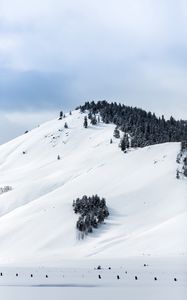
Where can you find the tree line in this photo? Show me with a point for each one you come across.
(140, 128)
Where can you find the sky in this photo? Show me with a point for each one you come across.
(56, 54)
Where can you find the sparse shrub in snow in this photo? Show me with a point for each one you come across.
(92, 210)
(5, 189)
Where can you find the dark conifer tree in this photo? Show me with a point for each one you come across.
(65, 125)
(85, 122)
(124, 142)
(182, 160)
(61, 115)
(93, 120)
(90, 115)
(116, 133)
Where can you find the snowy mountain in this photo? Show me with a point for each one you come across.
(147, 204)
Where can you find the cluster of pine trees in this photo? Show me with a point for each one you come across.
(94, 120)
(93, 211)
(140, 128)
(63, 115)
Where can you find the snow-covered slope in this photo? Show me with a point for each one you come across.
(147, 203)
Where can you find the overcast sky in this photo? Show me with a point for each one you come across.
(58, 53)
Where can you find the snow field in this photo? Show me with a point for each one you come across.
(147, 203)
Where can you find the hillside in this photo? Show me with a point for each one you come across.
(147, 203)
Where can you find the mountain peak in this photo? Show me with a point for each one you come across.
(145, 200)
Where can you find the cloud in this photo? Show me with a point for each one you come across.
(34, 90)
(57, 54)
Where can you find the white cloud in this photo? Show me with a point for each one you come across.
(64, 34)
(124, 50)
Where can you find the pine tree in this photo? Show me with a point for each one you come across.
(116, 133)
(85, 122)
(65, 125)
(58, 157)
(93, 120)
(124, 145)
(90, 115)
(61, 115)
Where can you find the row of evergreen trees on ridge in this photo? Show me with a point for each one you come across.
(143, 127)
(93, 211)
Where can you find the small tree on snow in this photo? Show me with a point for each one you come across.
(116, 133)
(65, 125)
(85, 122)
(61, 115)
(177, 175)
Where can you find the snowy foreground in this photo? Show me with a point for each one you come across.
(133, 279)
(79, 293)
